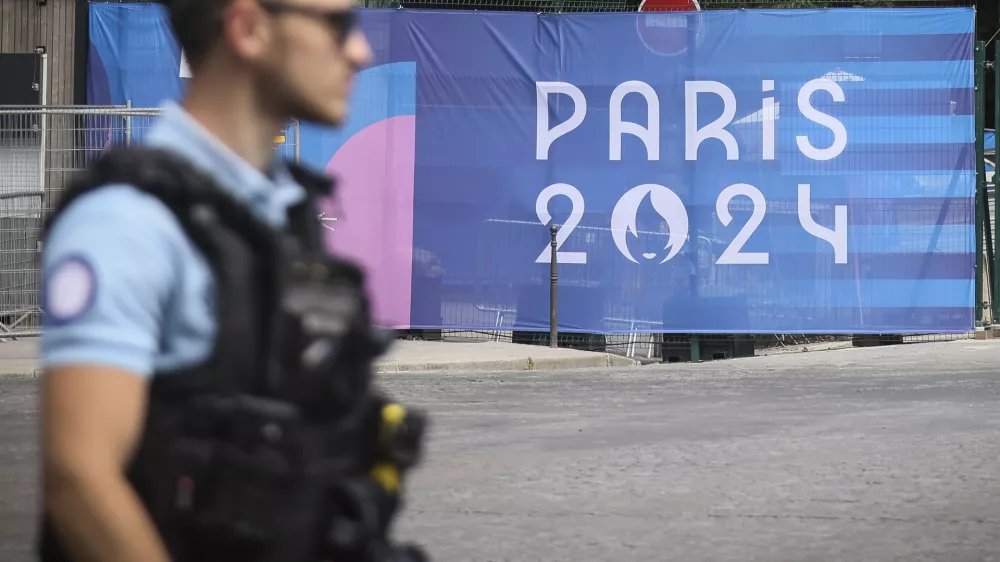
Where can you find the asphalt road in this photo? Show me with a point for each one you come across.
(856, 455)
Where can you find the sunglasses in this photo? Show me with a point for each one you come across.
(341, 21)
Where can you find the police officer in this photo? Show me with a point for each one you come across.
(130, 297)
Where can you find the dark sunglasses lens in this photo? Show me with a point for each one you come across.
(343, 23)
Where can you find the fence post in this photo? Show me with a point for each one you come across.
(298, 139)
(553, 291)
(995, 294)
(981, 216)
(128, 122)
(43, 118)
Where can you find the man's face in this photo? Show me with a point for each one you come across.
(314, 50)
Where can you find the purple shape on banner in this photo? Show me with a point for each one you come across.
(374, 211)
(98, 88)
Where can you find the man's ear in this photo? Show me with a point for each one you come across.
(246, 29)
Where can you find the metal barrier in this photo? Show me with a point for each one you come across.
(41, 149)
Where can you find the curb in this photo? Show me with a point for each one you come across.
(19, 374)
(515, 364)
(805, 348)
(525, 363)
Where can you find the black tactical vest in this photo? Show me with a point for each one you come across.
(276, 448)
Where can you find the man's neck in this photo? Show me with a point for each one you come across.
(231, 113)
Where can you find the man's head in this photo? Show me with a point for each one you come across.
(300, 56)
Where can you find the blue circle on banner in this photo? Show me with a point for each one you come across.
(70, 290)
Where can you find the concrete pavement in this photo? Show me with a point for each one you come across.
(877, 454)
(874, 454)
(21, 357)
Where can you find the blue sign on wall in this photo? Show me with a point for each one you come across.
(799, 171)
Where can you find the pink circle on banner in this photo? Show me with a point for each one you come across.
(373, 208)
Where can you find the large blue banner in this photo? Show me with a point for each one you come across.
(799, 171)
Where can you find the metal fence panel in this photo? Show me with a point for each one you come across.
(41, 149)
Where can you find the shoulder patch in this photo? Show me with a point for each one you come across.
(70, 290)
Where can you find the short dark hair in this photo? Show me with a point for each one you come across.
(197, 25)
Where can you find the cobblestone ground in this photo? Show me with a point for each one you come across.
(887, 454)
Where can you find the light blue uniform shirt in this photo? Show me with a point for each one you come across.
(122, 284)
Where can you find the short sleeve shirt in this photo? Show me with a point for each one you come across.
(122, 285)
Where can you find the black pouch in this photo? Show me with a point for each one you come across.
(223, 482)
